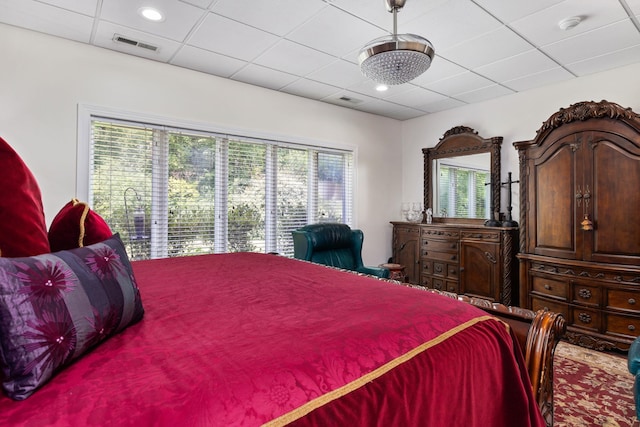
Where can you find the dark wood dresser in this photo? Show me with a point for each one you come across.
(580, 241)
(476, 261)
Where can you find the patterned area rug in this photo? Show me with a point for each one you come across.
(592, 389)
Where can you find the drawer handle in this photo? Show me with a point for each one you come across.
(547, 287)
(584, 293)
(631, 328)
(453, 257)
(584, 318)
(631, 301)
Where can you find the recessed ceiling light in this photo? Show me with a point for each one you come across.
(382, 88)
(151, 13)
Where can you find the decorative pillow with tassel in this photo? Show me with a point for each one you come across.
(76, 226)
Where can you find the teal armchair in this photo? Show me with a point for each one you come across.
(333, 244)
(633, 362)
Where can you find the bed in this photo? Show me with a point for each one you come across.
(252, 339)
(242, 339)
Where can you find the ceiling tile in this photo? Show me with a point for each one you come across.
(46, 19)
(265, 77)
(104, 38)
(452, 23)
(531, 81)
(334, 32)
(596, 64)
(207, 62)
(508, 11)
(339, 73)
(541, 28)
(460, 83)
(247, 42)
(204, 4)
(531, 62)
(275, 16)
(395, 111)
(368, 88)
(376, 12)
(440, 69)
(179, 17)
(490, 47)
(86, 7)
(484, 94)
(310, 89)
(445, 104)
(635, 6)
(417, 98)
(601, 41)
(293, 58)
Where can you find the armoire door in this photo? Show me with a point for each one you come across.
(612, 173)
(557, 197)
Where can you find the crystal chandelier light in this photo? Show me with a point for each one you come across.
(398, 58)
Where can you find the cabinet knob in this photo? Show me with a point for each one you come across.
(453, 257)
(631, 328)
(631, 301)
(584, 293)
(584, 318)
(547, 287)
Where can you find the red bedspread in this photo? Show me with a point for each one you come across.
(247, 339)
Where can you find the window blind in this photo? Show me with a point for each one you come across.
(176, 192)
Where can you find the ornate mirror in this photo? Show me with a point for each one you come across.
(462, 176)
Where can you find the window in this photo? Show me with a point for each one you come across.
(171, 191)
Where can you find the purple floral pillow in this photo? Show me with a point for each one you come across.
(55, 307)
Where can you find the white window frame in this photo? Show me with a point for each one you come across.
(87, 113)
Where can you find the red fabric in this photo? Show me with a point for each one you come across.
(23, 231)
(241, 339)
(76, 226)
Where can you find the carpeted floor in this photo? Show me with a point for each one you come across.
(592, 389)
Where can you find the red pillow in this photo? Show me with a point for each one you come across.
(75, 226)
(23, 231)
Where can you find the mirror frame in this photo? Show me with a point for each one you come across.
(463, 141)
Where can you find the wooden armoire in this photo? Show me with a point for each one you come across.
(579, 234)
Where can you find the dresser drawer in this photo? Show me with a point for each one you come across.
(439, 245)
(452, 286)
(586, 294)
(551, 287)
(426, 281)
(621, 299)
(585, 318)
(438, 284)
(427, 266)
(622, 325)
(442, 256)
(544, 304)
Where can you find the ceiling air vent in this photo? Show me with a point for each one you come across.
(121, 39)
(350, 100)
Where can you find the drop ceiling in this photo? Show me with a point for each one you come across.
(484, 48)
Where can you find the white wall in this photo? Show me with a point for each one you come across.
(44, 79)
(515, 117)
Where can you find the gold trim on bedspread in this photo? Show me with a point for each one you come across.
(348, 388)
